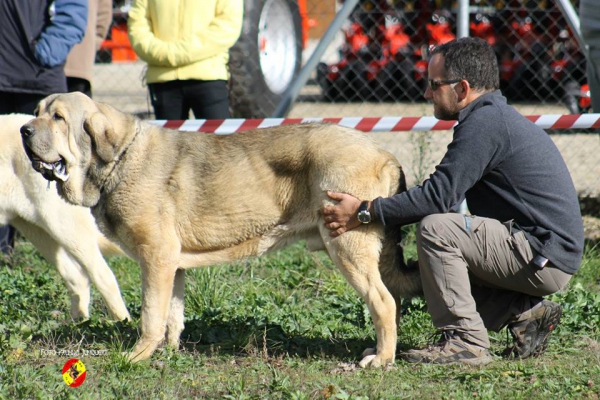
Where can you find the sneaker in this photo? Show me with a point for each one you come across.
(450, 349)
(531, 336)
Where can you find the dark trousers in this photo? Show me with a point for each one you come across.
(23, 103)
(173, 100)
(15, 103)
(7, 239)
(79, 85)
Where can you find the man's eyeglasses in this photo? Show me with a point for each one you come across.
(434, 85)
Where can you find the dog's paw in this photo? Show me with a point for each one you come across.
(370, 351)
(372, 360)
(368, 361)
(121, 316)
(134, 357)
(143, 350)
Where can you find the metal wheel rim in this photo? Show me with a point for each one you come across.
(277, 45)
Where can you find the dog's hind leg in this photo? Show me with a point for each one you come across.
(176, 311)
(356, 253)
(74, 276)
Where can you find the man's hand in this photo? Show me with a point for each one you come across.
(341, 217)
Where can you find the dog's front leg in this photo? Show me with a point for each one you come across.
(77, 282)
(157, 288)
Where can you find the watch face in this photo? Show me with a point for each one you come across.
(364, 217)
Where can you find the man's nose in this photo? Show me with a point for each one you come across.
(428, 93)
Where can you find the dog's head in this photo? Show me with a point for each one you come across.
(71, 140)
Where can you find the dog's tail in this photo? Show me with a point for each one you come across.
(108, 248)
(402, 279)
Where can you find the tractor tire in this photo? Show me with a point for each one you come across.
(267, 57)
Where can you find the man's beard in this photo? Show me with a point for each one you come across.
(445, 114)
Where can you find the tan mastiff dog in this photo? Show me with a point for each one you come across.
(66, 235)
(177, 200)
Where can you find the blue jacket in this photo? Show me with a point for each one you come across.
(36, 39)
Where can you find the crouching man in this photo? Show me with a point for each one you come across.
(524, 239)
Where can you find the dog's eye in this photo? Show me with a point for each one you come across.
(58, 117)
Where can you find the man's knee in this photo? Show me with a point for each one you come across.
(433, 226)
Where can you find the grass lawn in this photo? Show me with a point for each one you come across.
(283, 326)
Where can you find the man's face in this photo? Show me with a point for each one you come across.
(444, 97)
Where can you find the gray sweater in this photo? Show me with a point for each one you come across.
(508, 169)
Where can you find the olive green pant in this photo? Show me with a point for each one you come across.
(477, 274)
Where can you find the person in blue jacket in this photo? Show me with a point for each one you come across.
(36, 37)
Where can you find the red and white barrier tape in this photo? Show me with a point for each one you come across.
(383, 124)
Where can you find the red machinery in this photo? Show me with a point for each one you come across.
(386, 50)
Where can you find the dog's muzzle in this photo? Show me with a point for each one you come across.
(52, 171)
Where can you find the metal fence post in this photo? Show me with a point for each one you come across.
(462, 30)
(293, 91)
(573, 20)
(462, 25)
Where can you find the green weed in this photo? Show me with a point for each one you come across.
(285, 326)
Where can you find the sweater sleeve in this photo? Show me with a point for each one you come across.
(475, 149)
(221, 34)
(66, 29)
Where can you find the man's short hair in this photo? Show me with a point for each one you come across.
(472, 59)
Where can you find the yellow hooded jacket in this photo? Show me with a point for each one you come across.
(185, 39)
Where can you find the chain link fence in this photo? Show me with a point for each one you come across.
(376, 66)
(385, 49)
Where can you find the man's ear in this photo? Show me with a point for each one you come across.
(103, 135)
(463, 89)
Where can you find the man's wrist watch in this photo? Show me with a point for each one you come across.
(364, 215)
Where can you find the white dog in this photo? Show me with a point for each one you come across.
(66, 235)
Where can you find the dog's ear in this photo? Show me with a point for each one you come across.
(103, 135)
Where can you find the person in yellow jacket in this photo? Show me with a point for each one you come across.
(186, 45)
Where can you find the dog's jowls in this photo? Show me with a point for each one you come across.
(177, 200)
(66, 235)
